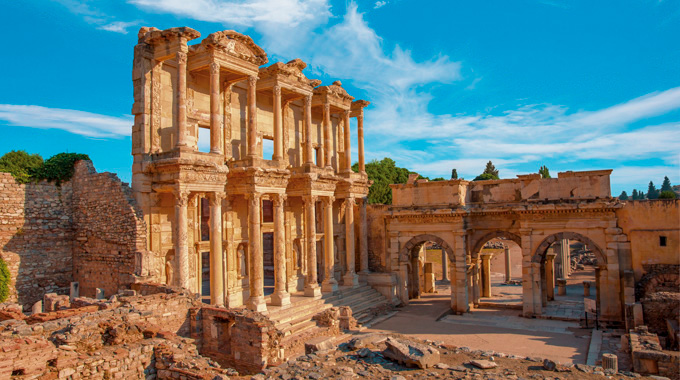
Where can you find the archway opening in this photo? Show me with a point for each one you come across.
(497, 272)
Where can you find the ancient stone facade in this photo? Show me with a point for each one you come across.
(86, 230)
(227, 220)
(461, 216)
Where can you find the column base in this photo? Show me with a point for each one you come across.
(281, 299)
(257, 303)
(446, 281)
(351, 279)
(312, 290)
(330, 285)
(234, 299)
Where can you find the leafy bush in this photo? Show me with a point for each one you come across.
(667, 195)
(4, 280)
(59, 167)
(383, 173)
(485, 176)
(490, 172)
(20, 164)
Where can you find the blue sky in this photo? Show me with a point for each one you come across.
(574, 85)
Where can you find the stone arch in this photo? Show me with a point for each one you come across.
(406, 251)
(659, 277)
(495, 234)
(539, 254)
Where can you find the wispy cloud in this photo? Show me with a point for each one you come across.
(78, 122)
(92, 15)
(118, 26)
(379, 4)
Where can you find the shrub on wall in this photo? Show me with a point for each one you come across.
(4, 281)
(59, 167)
(20, 165)
(26, 167)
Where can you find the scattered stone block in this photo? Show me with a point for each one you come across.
(484, 364)
(99, 294)
(321, 343)
(549, 365)
(37, 308)
(74, 291)
(411, 354)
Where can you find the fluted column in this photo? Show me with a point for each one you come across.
(550, 276)
(363, 236)
(281, 297)
(308, 131)
(360, 145)
(215, 126)
(252, 116)
(329, 283)
(508, 265)
(327, 142)
(486, 275)
(256, 276)
(278, 125)
(181, 99)
(445, 266)
(348, 143)
(216, 259)
(350, 278)
(311, 281)
(181, 243)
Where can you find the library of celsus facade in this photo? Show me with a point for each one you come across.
(226, 217)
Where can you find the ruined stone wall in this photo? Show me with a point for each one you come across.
(110, 234)
(36, 238)
(376, 238)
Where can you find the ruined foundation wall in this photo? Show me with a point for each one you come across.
(36, 238)
(110, 233)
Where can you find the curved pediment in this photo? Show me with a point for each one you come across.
(237, 45)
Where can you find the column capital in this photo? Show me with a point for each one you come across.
(216, 198)
(350, 201)
(214, 68)
(277, 90)
(279, 199)
(327, 108)
(182, 197)
(252, 80)
(310, 199)
(328, 201)
(308, 100)
(360, 117)
(181, 58)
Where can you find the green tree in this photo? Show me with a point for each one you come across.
(623, 196)
(383, 173)
(652, 192)
(635, 195)
(667, 195)
(4, 280)
(490, 172)
(666, 186)
(544, 172)
(454, 174)
(20, 164)
(437, 179)
(59, 167)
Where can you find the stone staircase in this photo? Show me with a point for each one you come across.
(297, 319)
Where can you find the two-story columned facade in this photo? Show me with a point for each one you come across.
(243, 171)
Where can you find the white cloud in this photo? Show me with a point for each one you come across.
(118, 26)
(78, 122)
(379, 4)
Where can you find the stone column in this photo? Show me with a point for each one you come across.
(181, 99)
(550, 276)
(216, 262)
(281, 297)
(348, 144)
(256, 301)
(351, 278)
(181, 243)
(508, 265)
(309, 159)
(311, 281)
(565, 256)
(363, 236)
(278, 125)
(476, 281)
(327, 141)
(486, 274)
(470, 284)
(445, 267)
(215, 126)
(329, 283)
(252, 117)
(360, 145)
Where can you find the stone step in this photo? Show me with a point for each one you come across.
(361, 300)
(347, 299)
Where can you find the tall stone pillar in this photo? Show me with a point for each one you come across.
(181, 99)
(311, 281)
(566, 259)
(550, 276)
(486, 274)
(508, 265)
(215, 126)
(363, 236)
(281, 297)
(360, 145)
(329, 283)
(476, 281)
(216, 259)
(252, 117)
(327, 141)
(181, 243)
(256, 301)
(348, 143)
(278, 125)
(445, 267)
(469, 275)
(350, 278)
(309, 151)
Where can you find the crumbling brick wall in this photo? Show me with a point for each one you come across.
(376, 238)
(36, 238)
(110, 234)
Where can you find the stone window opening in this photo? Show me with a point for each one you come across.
(267, 211)
(224, 329)
(663, 241)
(317, 155)
(205, 219)
(203, 138)
(268, 147)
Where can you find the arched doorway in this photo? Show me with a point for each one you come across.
(497, 270)
(571, 268)
(417, 273)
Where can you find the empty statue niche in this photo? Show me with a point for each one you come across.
(268, 245)
(224, 329)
